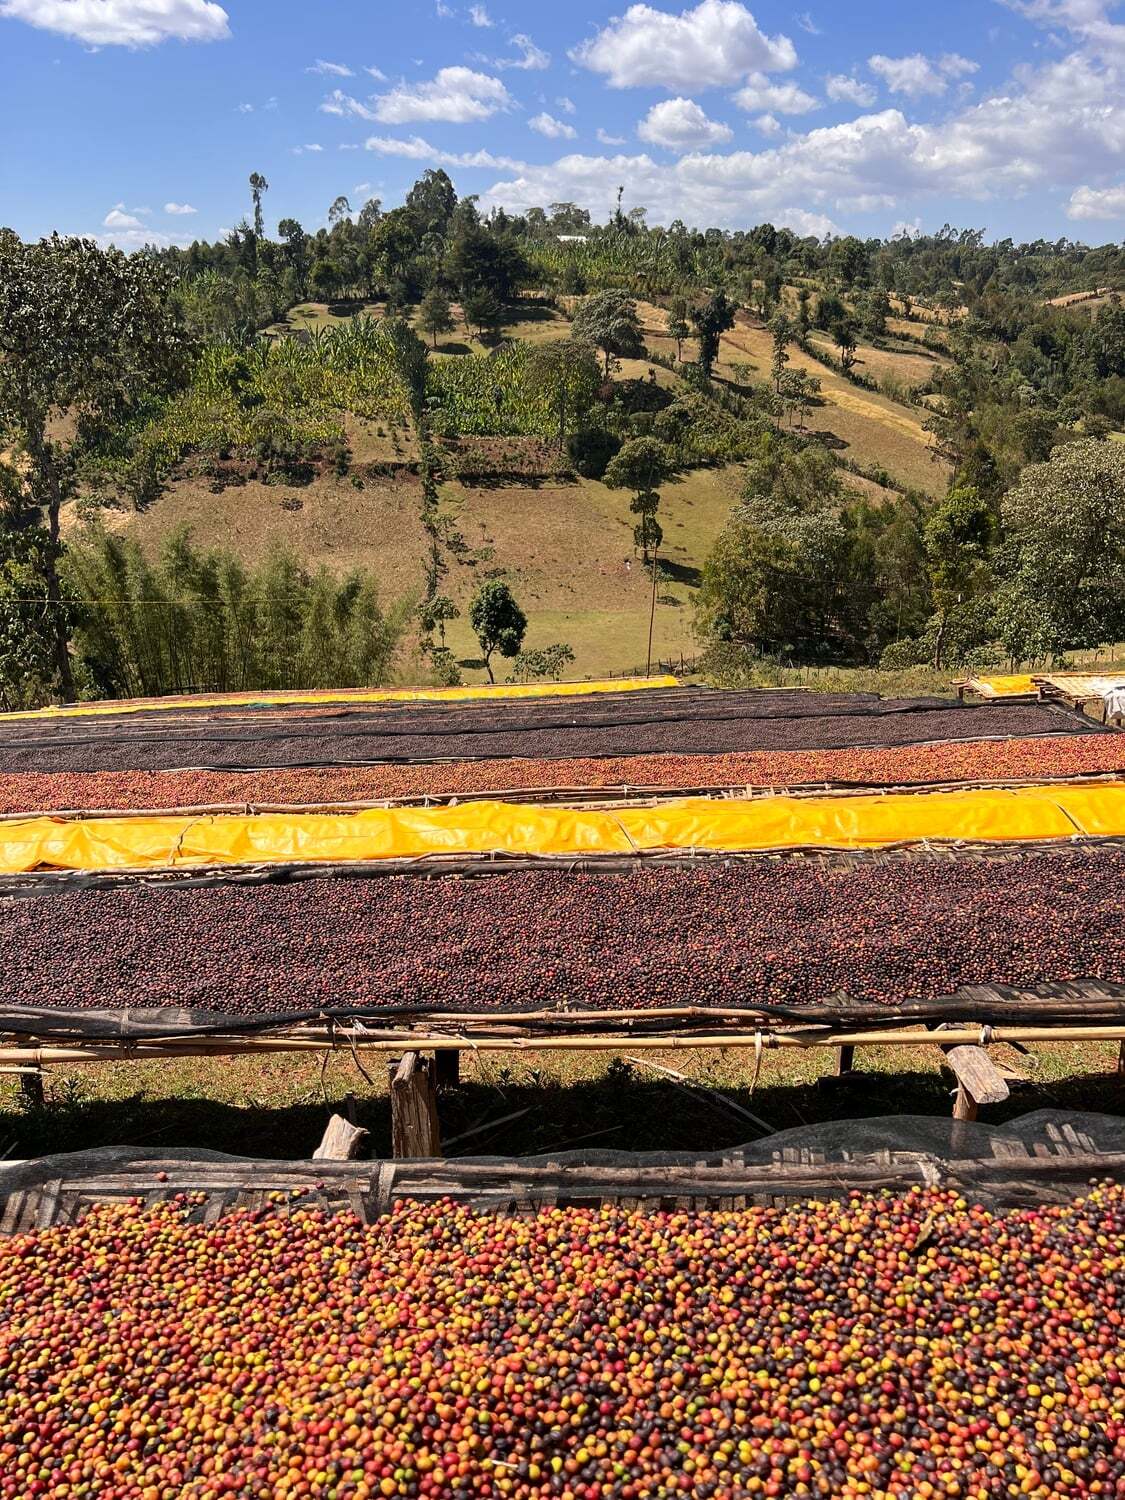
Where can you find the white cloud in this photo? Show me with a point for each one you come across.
(846, 90)
(443, 11)
(117, 218)
(916, 75)
(555, 130)
(300, 150)
(1097, 203)
(700, 188)
(179, 208)
(907, 231)
(1086, 19)
(416, 149)
(566, 105)
(457, 95)
(377, 73)
(330, 69)
(531, 58)
(479, 16)
(609, 140)
(1048, 129)
(784, 98)
(806, 23)
(767, 124)
(681, 125)
(245, 109)
(123, 23)
(712, 46)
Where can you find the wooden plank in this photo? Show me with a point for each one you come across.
(976, 1075)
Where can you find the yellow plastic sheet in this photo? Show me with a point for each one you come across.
(1002, 687)
(707, 825)
(505, 691)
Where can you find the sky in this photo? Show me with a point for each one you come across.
(139, 121)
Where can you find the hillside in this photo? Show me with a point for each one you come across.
(564, 544)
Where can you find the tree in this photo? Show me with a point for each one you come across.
(567, 373)
(643, 465)
(547, 662)
(27, 618)
(711, 321)
(608, 321)
(435, 613)
(434, 314)
(1064, 554)
(844, 339)
(677, 326)
(797, 390)
(258, 187)
(340, 209)
(430, 203)
(86, 335)
(781, 332)
(482, 310)
(498, 622)
(958, 539)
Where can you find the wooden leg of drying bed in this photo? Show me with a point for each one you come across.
(1121, 1059)
(415, 1131)
(845, 1061)
(964, 1105)
(447, 1068)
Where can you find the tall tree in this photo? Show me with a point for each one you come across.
(608, 321)
(958, 537)
(85, 336)
(339, 209)
(567, 372)
(643, 465)
(498, 622)
(711, 321)
(434, 314)
(677, 326)
(258, 187)
(1064, 551)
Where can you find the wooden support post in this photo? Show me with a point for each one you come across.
(342, 1141)
(447, 1068)
(31, 1089)
(964, 1105)
(845, 1061)
(415, 1131)
(1121, 1059)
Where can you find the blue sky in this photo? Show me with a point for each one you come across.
(140, 120)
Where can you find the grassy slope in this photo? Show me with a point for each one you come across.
(855, 423)
(567, 549)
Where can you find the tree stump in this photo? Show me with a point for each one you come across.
(415, 1131)
(342, 1141)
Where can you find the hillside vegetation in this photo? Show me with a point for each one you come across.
(532, 452)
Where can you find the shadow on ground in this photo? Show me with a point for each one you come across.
(518, 1112)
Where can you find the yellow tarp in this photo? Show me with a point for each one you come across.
(1002, 687)
(349, 695)
(707, 825)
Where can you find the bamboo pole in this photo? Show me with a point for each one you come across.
(64, 1055)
